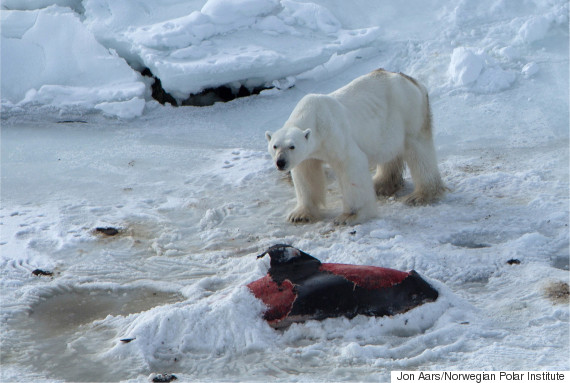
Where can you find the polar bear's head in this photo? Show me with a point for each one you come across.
(289, 146)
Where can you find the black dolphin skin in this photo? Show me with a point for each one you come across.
(299, 287)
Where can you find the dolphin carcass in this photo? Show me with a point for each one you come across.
(299, 287)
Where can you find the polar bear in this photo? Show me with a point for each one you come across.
(381, 119)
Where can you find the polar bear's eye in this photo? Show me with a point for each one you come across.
(292, 147)
(274, 146)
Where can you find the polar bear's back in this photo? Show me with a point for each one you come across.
(384, 107)
(382, 92)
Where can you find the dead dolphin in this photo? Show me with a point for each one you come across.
(299, 287)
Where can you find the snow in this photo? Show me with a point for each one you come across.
(54, 60)
(249, 42)
(465, 66)
(123, 109)
(226, 12)
(196, 198)
(534, 29)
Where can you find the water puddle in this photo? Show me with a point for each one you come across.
(560, 261)
(63, 335)
(469, 240)
(67, 310)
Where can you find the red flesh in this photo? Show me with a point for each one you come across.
(278, 299)
(368, 277)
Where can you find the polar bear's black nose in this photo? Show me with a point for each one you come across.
(281, 163)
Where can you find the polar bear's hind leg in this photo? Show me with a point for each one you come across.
(388, 178)
(419, 154)
(421, 159)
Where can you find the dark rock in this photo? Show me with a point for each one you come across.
(162, 378)
(221, 93)
(110, 231)
(206, 97)
(158, 92)
(42, 273)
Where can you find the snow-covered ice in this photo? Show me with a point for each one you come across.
(195, 197)
(50, 58)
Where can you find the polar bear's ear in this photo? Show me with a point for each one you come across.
(268, 135)
(307, 133)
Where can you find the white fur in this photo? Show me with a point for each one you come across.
(381, 119)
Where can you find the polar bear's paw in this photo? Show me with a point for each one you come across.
(417, 199)
(387, 189)
(301, 215)
(421, 198)
(424, 197)
(346, 219)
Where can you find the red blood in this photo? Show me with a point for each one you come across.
(368, 277)
(278, 298)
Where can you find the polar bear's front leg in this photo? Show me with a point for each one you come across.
(310, 182)
(358, 195)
